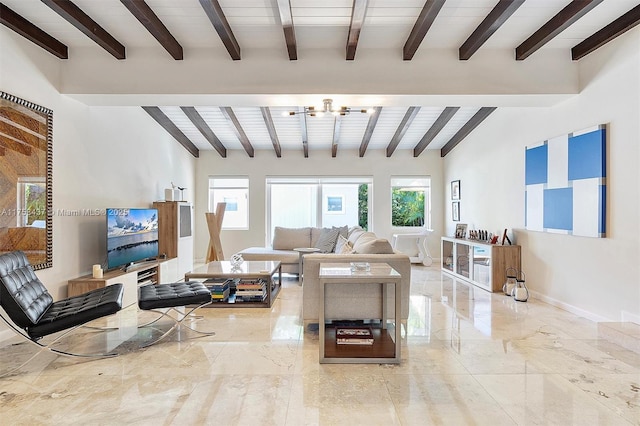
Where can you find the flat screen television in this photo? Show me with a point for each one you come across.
(132, 236)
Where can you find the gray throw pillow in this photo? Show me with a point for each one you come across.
(343, 231)
(327, 240)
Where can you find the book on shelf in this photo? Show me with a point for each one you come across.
(354, 336)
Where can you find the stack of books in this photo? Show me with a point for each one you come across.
(219, 288)
(354, 336)
(251, 290)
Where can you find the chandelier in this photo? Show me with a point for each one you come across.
(327, 109)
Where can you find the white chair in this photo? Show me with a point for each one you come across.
(419, 241)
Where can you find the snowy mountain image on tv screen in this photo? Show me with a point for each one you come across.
(132, 235)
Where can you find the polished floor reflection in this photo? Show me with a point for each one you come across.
(468, 358)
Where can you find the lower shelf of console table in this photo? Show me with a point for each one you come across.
(383, 347)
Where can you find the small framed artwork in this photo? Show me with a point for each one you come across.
(455, 189)
(461, 230)
(335, 204)
(455, 210)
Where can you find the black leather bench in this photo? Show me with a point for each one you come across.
(175, 294)
(156, 297)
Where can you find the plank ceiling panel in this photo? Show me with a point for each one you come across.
(320, 132)
(455, 22)
(187, 22)
(252, 123)
(423, 121)
(218, 123)
(287, 127)
(460, 119)
(185, 125)
(601, 15)
(388, 122)
(352, 129)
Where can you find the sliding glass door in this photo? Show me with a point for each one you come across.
(317, 202)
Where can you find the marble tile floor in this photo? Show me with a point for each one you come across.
(468, 358)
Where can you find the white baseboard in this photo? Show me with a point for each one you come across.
(570, 308)
(629, 317)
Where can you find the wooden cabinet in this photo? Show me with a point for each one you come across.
(175, 233)
(147, 273)
(482, 264)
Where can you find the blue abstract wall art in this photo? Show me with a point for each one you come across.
(565, 184)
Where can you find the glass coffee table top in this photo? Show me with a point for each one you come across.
(225, 268)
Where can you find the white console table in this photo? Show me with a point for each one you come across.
(419, 241)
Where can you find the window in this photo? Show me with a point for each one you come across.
(317, 202)
(32, 201)
(235, 192)
(410, 206)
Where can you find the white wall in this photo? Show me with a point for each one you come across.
(347, 163)
(596, 277)
(102, 157)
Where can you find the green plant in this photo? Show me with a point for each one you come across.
(407, 207)
(363, 206)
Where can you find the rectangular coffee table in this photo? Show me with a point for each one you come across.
(248, 270)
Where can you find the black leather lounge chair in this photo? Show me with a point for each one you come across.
(32, 312)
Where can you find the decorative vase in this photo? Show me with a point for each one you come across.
(520, 291)
(236, 260)
(510, 283)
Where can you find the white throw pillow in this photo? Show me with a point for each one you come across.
(343, 246)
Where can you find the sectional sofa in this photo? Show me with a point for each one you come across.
(353, 245)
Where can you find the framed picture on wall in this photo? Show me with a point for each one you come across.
(335, 204)
(455, 190)
(455, 211)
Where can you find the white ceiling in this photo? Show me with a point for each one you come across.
(318, 25)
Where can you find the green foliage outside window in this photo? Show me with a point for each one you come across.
(407, 207)
(363, 206)
(36, 202)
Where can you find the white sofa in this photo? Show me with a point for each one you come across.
(348, 302)
(284, 241)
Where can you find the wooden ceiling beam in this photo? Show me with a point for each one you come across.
(216, 16)
(445, 116)
(469, 126)
(76, 17)
(237, 129)
(271, 128)
(205, 130)
(143, 13)
(494, 20)
(286, 19)
(606, 34)
(168, 125)
(337, 122)
(429, 13)
(358, 13)
(402, 129)
(26, 29)
(560, 22)
(371, 126)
